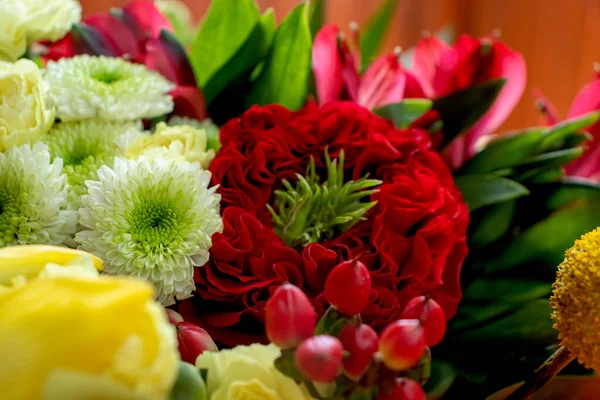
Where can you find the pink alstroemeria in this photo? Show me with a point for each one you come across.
(140, 33)
(336, 69)
(444, 69)
(587, 100)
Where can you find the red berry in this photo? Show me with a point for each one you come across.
(289, 317)
(361, 342)
(403, 389)
(348, 287)
(431, 315)
(193, 341)
(402, 344)
(319, 358)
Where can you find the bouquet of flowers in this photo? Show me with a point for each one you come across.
(245, 210)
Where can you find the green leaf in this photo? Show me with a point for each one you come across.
(443, 375)
(226, 27)
(404, 113)
(484, 190)
(573, 190)
(189, 384)
(546, 241)
(463, 109)
(317, 15)
(492, 225)
(286, 365)
(284, 78)
(506, 290)
(469, 315)
(246, 59)
(530, 323)
(562, 130)
(422, 371)
(372, 35)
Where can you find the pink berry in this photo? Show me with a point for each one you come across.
(319, 358)
(289, 317)
(403, 389)
(193, 341)
(431, 315)
(402, 344)
(361, 342)
(348, 287)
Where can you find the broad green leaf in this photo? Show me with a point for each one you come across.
(483, 190)
(284, 78)
(372, 35)
(530, 323)
(573, 190)
(492, 225)
(559, 388)
(226, 27)
(189, 384)
(535, 165)
(443, 375)
(506, 290)
(246, 59)
(286, 365)
(561, 131)
(463, 109)
(547, 241)
(469, 315)
(404, 113)
(317, 15)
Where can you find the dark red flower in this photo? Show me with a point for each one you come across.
(412, 242)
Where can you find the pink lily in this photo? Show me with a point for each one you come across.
(587, 100)
(336, 68)
(444, 69)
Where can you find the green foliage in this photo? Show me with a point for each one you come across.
(189, 384)
(404, 113)
(312, 211)
(317, 15)
(373, 34)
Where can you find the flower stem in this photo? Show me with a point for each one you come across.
(544, 374)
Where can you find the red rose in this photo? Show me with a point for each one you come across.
(412, 241)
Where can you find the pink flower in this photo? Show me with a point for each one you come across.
(336, 68)
(587, 100)
(444, 69)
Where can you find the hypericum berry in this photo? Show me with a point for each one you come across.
(403, 389)
(431, 315)
(348, 287)
(319, 358)
(361, 342)
(193, 341)
(174, 316)
(289, 317)
(402, 344)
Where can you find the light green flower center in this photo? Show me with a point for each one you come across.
(154, 223)
(107, 77)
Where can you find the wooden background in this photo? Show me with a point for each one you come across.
(560, 39)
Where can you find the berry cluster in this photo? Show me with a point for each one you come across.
(340, 357)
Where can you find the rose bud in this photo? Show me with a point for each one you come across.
(403, 389)
(319, 358)
(361, 342)
(402, 344)
(289, 317)
(174, 316)
(193, 341)
(431, 315)
(348, 287)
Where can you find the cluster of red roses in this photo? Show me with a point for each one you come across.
(413, 241)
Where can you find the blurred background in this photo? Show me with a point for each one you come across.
(560, 39)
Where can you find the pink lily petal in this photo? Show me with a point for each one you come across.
(145, 19)
(166, 56)
(57, 50)
(472, 65)
(588, 99)
(189, 102)
(548, 110)
(414, 88)
(116, 34)
(327, 64)
(383, 83)
(350, 72)
(434, 63)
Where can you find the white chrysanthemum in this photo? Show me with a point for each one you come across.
(85, 146)
(107, 88)
(151, 219)
(33, 193)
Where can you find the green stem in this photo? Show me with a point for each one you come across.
(313, 390)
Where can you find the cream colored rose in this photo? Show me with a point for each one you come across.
(25, 115)
(177, 143)
(13, 39)
(247, 372)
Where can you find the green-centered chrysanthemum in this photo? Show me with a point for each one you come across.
(107, 88)
(151, 219)
(33, 193)
(576, 300)
(85, 146)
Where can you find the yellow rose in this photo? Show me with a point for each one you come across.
(13, 39)
(25, 114)
(247, 372)
(178, 143)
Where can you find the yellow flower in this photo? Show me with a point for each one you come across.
(13, 39)
(247, 372)
(77, 337)
(576, 300)
(25, 114)
(178, 143)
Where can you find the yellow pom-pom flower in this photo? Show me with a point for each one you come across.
(576, 300)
